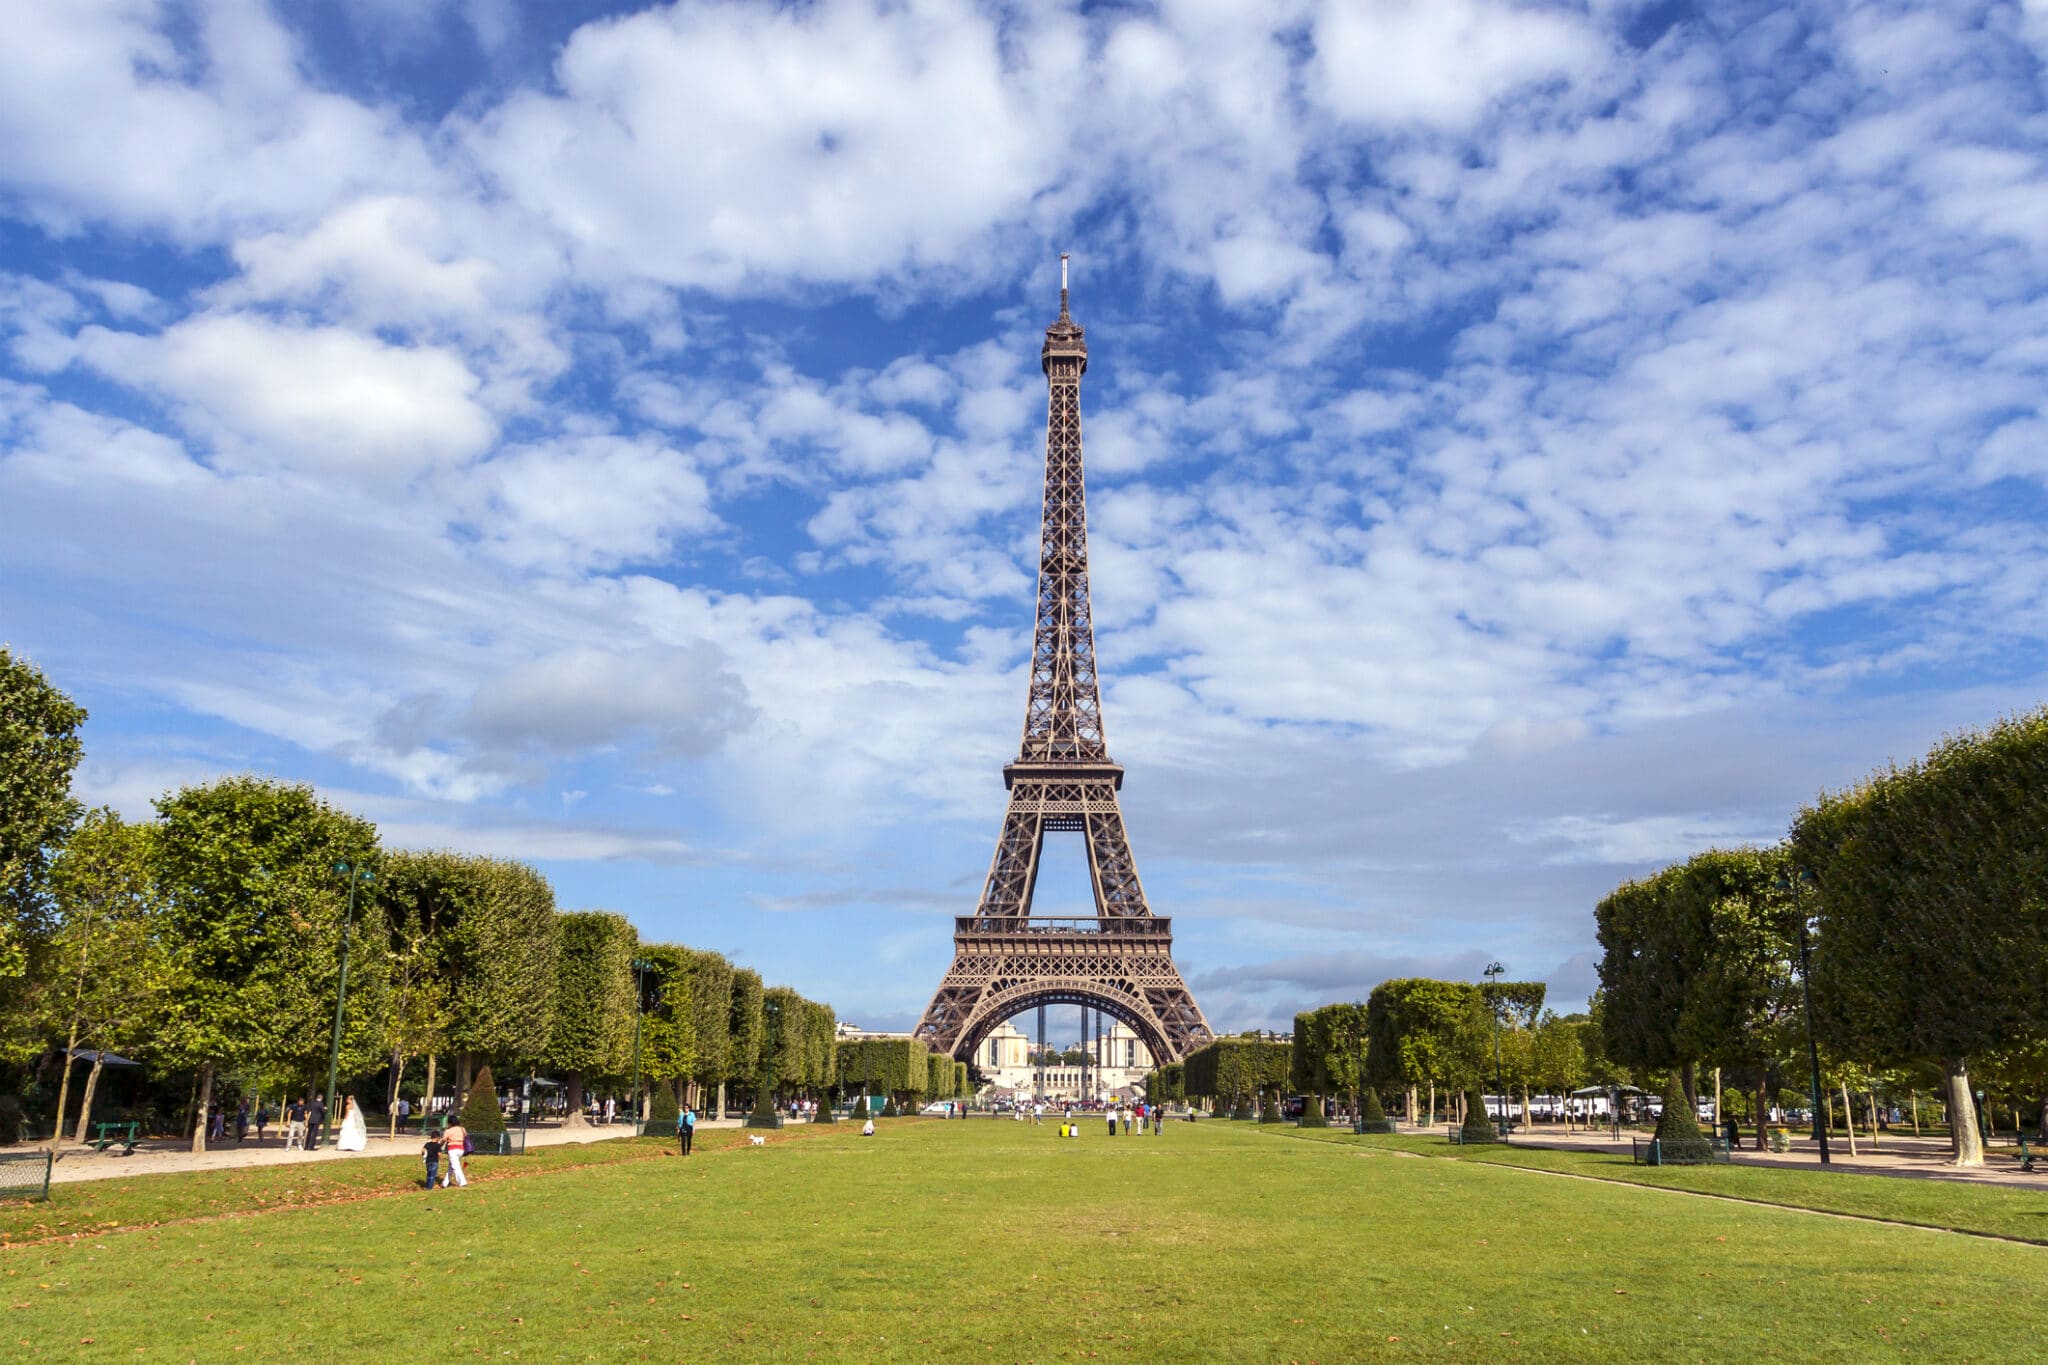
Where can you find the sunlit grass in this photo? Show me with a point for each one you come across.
(1001, 1241)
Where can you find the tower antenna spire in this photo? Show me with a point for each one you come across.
(1063, 286)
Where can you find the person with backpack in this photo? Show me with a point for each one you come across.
(686, 1129)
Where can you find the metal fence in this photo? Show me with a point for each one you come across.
(25, 1175)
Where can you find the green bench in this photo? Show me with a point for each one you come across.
(115, 1131)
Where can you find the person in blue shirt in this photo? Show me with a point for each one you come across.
(686, 1129)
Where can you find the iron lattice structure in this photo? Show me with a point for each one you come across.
(1121, 961)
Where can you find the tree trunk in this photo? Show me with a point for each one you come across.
(1916, 1111)
(465, 1074)
(427, 1100)
(2041, 1133)
(1849, 1117)
(200, 1107)
(1763, 1110)
(1408, 1110)
(391, 1093)
(721, 1101)
(574, 1118)
(1965, 1142)
(1689, 1082)
(1432, 1104)
(92, 1083)
(1827, 1112)
(64, 1086)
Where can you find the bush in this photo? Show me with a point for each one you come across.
(1477, 1126)
(1271, 1112)
(480, 1113)
(661, 1108)
(1678, 1131)
(1312, 1113)
(1372, 1117)
(889, 1108)
(826, 1112)
(765, 1114)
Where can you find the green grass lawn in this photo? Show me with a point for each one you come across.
(1000, 1241)
(1997, 1210)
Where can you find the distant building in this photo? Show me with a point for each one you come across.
(1117, 1061)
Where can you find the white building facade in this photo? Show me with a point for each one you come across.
(1117, 1061)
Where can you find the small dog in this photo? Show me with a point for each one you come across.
(757, 1142)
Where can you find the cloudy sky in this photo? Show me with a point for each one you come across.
(1527, 442)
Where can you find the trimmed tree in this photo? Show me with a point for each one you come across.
(662, 1111)
(256, 915)
(593, 1032)
(1932, 935)
(1478, 1127)
(1679, 1139)
(480, 1113)
(1372, 1116)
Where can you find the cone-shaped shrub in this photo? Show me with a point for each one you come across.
(889, 1108)
(1678, 1131)
(1271, 1112)
(826, 1113)
(1477, 1127)
(1312, 1115)
(480, 1112)
(661, 1109)
(1372, 1117)
(765, 1114)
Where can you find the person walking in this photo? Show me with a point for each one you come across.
(1110, 1114)
(316, 1119)
(262, 1119)
(609, 1109)
(241, 1121)
(216, 1122)
(295, 1126)
(1037, 1113)
(404, 1112)
(685, 1123)
(355, 1134)
(455, 1142)
(431, 1151)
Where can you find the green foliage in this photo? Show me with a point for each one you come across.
(480, 1113)
(1697, 961)
(476, 949)
(746, 1029)
(254, 911)
(108, 971)
(1678, 1129)
(661, 1108)
(1329, 1047)
(1425, 1032)
(889, 1108)
(1372, 1116)
(711, 1009)
(1932, 929)
(1557, 1058)
(1166, 1084)
(938, 1076)
(883, 1066)
(1237, 1069)
(39, 749)
(668, 1023)
(593, 1033)
(1478, 1127)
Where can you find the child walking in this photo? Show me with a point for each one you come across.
(432, 1152)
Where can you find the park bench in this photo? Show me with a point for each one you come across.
(2026, 1157)
(113, 1131)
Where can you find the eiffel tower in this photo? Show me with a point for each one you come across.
(1120, 961)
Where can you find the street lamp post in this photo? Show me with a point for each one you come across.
(1494, 969)
(1795, 885)
(356, 873)
(641, 966)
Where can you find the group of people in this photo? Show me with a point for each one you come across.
(304, 1122)
(1135, 1112)
(451, 1143)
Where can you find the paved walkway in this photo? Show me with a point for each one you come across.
(1897, 1154)
(160, 1156)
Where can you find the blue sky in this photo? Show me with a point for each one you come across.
(1527, 443)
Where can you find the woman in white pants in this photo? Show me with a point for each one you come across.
(456, 1139)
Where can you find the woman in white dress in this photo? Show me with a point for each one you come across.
(355, 1134)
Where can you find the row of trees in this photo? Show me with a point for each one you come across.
(1913, 908)
(210, 942)
(902, 1070)
(1244, 1072)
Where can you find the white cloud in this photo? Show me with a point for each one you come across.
(320, 398)
(586, 501)
(1442, 63)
